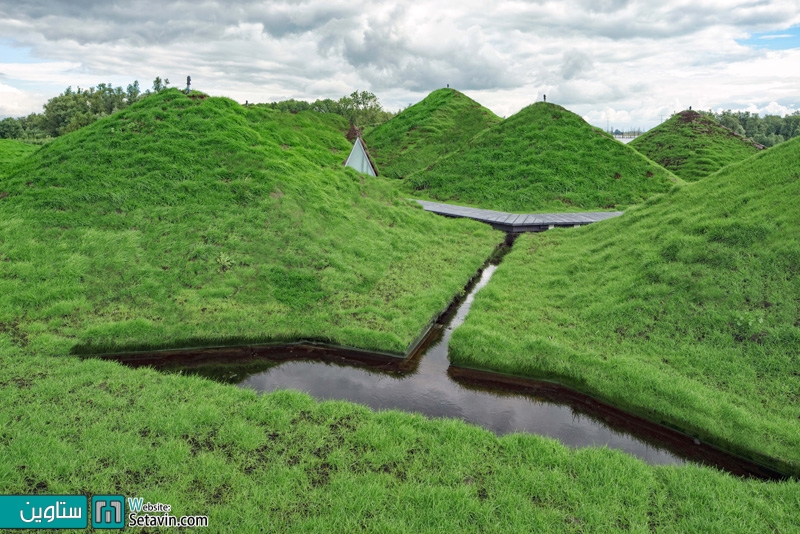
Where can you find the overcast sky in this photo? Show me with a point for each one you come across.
(625, 63)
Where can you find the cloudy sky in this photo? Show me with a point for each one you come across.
(617, 62)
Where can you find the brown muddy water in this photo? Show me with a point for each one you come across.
(425, 383)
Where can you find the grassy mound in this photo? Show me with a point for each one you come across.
(684, 310)
(693, 146)
(544, 158)
(426, 131)
(192, 221)
(285, 463)
(12, 152)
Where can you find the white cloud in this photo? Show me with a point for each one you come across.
(772, 108)
(14, 102)
(629, 61)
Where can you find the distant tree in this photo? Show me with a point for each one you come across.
(363, 108)
(290, 105)
(768, 130)
(59, 111)
(133, 92)
(10, 128)
(159, 84)
(729, 121)
(791, 125)
(74, 109)
(768, 140)
(32, 126)
(327, 105)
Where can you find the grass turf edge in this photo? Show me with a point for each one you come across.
(680, 269)
(283, 461)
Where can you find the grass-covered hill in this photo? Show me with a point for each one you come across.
(419, 135)
(282, 462)
(685, 310)
(182, 218)
(188, 221)
(12, 152)
(693, 145)
(543, 158)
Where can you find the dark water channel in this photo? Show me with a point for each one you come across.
(425, 383)
(426, 388)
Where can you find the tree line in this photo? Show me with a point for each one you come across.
(361, 108)
(768, 130)
(74, 109)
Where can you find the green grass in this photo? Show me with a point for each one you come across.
(285, 463)
(184, 221)
(544, 158)
(421, 134)
(196, 221)
(11, 152)
(693, 146)
(684, 310)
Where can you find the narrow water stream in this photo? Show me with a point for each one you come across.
(427, 389)
(425, 383)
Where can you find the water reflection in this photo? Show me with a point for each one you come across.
(427, 389)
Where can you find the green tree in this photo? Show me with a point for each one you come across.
(133, 92)
(327, 105)
(291, 105)
(159, 84)
(32, 126)
(791, 125)
(363, 108)
(10, 129)
(768, 130)
(72, 110)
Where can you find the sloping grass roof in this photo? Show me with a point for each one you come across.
(193, 221)
(419, 135)
(693, 146)
(11, 152)
(543, 158)
(685, 309)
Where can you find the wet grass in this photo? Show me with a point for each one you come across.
(11, 152)
(186, 221)
(285, 463)
(544, 158)
(684, 310)
(693, 146)
(421, 134)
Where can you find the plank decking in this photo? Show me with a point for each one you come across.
(517, 223)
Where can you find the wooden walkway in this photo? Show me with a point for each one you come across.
(517, 223)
